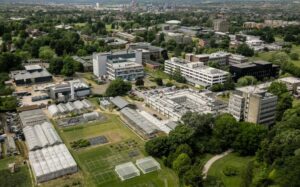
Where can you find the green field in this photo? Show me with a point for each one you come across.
(268, 55)
(231, 159)
(97, 162)
(20, 178)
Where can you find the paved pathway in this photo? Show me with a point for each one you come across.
(210, 162)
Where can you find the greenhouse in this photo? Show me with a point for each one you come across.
(52, 162)
(78, 105)
(148, 164)
(127, 171)
(139, 122)
(70, 106)
(39, 136)
(87, 104)
(63, 109)
(53, 110)
(91, 116)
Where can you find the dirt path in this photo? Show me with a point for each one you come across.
(210, 162)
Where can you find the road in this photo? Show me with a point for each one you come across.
(210, 162)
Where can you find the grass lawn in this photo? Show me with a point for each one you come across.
(97, 163)
(231, 159)
(20, 178)
(268, 55)
(157, 73)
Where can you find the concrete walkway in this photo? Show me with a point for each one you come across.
(210, 162)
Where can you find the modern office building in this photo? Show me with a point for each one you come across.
(70, 90)
(33, 74)
(222, 58)
(253, 104)
(196, 72)
(124, 65)
(258, 69)
(221, 25)
(150, 52)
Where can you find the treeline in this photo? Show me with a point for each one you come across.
(202, 133)
(280, 152)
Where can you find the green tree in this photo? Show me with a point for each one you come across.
(157, 147)
(226, 129)
(245, 50)
(68, 68)
(9, 61)
(46, 53)
(176, 75)
(6, 37)
(248, 140)
(181, 163)
(277, 88)
(246, 80)
(290, 174)
(201, 123)
(285, 100)
(56, 65)
(118, 87)
(193, 177)
(294, 56)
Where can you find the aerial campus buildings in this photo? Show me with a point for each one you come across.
(196, 72)
(253, 104)
(70, 90)
(122, 65)
(128, 64)
(175, 103)
(49, 158)
(32, 74)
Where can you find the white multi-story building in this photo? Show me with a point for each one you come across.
(219, 57)
(196, 72)
(127, 66)
(253, 104)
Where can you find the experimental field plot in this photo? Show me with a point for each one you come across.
(98, 162)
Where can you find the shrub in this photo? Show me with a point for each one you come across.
(230, 171)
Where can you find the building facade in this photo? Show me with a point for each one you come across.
(124, 65)
(253, 105)
(258, 69)
(196, 72)
(33, 74)
(221, 25)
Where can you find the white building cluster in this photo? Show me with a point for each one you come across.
(70, 107)
(175, 103)
(196, 72)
